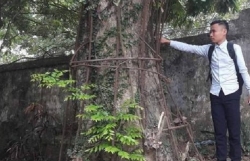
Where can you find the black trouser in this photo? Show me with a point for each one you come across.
(226, 116)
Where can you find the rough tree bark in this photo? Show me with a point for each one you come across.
(120, 29)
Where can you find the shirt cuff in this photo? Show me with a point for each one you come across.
(171, 42)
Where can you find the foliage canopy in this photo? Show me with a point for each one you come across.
(48, 27)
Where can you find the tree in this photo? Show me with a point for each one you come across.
(36, 28)
(200, 23)
(46, 28)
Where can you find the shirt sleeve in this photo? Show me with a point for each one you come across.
(195, 49)
(242, 66)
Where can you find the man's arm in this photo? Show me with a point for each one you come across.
(242, 67)
(196, 49)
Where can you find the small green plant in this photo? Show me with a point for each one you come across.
(52, 79)
(115, 133)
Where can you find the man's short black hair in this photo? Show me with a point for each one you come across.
(221, 22)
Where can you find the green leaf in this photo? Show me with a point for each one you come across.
(137, 157)
(112, 149)
(123, 154)
(94, 139)
(92, 108)
(127, 140)
(127, 117)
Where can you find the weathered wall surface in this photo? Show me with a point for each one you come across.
(189, 87)
(17, 93)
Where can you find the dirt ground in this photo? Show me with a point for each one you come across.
(208, 153)
(243, 159)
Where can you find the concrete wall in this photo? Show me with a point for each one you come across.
(17, 93)
(189, 87)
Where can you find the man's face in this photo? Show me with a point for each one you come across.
(217, 33)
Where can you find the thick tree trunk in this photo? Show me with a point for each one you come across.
(116, 34)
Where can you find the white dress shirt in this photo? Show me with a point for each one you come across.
(222, 66)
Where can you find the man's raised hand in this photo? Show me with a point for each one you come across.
(164, 41)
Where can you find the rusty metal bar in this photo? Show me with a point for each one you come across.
(175, 127)
(132, 68)
(114, 59)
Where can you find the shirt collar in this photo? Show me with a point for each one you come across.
(222, 45)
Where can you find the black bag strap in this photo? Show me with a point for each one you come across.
(231, 51)
(210, 53)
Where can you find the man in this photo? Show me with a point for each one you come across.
(224, 91)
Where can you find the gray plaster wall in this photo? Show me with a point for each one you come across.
(17, 92)
(189, 88)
